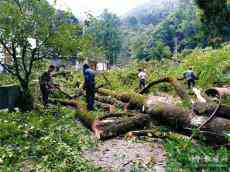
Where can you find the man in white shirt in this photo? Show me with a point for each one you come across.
(142, 78)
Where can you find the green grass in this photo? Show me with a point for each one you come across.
(47, 141)
(185, 156)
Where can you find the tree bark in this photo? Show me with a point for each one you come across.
(218, 91)
(114, 126)
(171, 114)
(153, 110)
(110, 100)
(174, 115)
(208, 108)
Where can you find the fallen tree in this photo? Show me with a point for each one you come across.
(171, 114)
(218, 91)
(152, 108)
(206, 109)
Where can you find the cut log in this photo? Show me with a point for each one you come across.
(114, 126)
(105, 106)
(171, 114)
(154, 110)
(110, 100)
(218, 91)
(134, 99)
(208, 108)
(176, 116)
(71, 103)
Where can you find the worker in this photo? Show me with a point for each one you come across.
(142, 78)
(190, 77)
(89, 86)
(47, 85)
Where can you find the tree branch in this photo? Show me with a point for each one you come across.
(24, 49)
(8, 69)
(16, 65)
(19, 6)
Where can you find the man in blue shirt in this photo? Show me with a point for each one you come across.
(190, 77)
(89, 86)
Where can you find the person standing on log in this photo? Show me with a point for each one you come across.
(89, 86)
(47, 85)
(190, 77)
(142, 78)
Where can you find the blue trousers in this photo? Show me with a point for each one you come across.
(90, 95)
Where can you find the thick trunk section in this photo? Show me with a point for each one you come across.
(206, 109)
(154, 109)
(114, 126)
(171, 114)
(218, 91)
(175, 116)
(110, 100)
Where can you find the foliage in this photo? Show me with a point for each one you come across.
(151, 13)
(107, 34)
(28, 30)
(210, 65)
(6, 79)
(49, 141)
(185, 156)
(216, 16)
(182, 25)
(159, 51)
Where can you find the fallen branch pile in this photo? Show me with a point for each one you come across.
(140, 110)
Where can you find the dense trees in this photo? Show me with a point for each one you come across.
(180, 30)
(107, 34)
(216, 16)
(159, 51)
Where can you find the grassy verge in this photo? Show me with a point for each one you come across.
(186, 157)
(47, 141)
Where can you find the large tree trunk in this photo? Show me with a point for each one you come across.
(218, 91)
(114, 126)
(207, 109)
(154, 109)
(174, 115)
(171, 114)
(110, 100)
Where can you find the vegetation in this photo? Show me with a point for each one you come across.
(46, 141)
(106, 33)
(28, 30)
(215, 15)
(165, 40)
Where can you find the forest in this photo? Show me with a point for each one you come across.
(164, 123)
